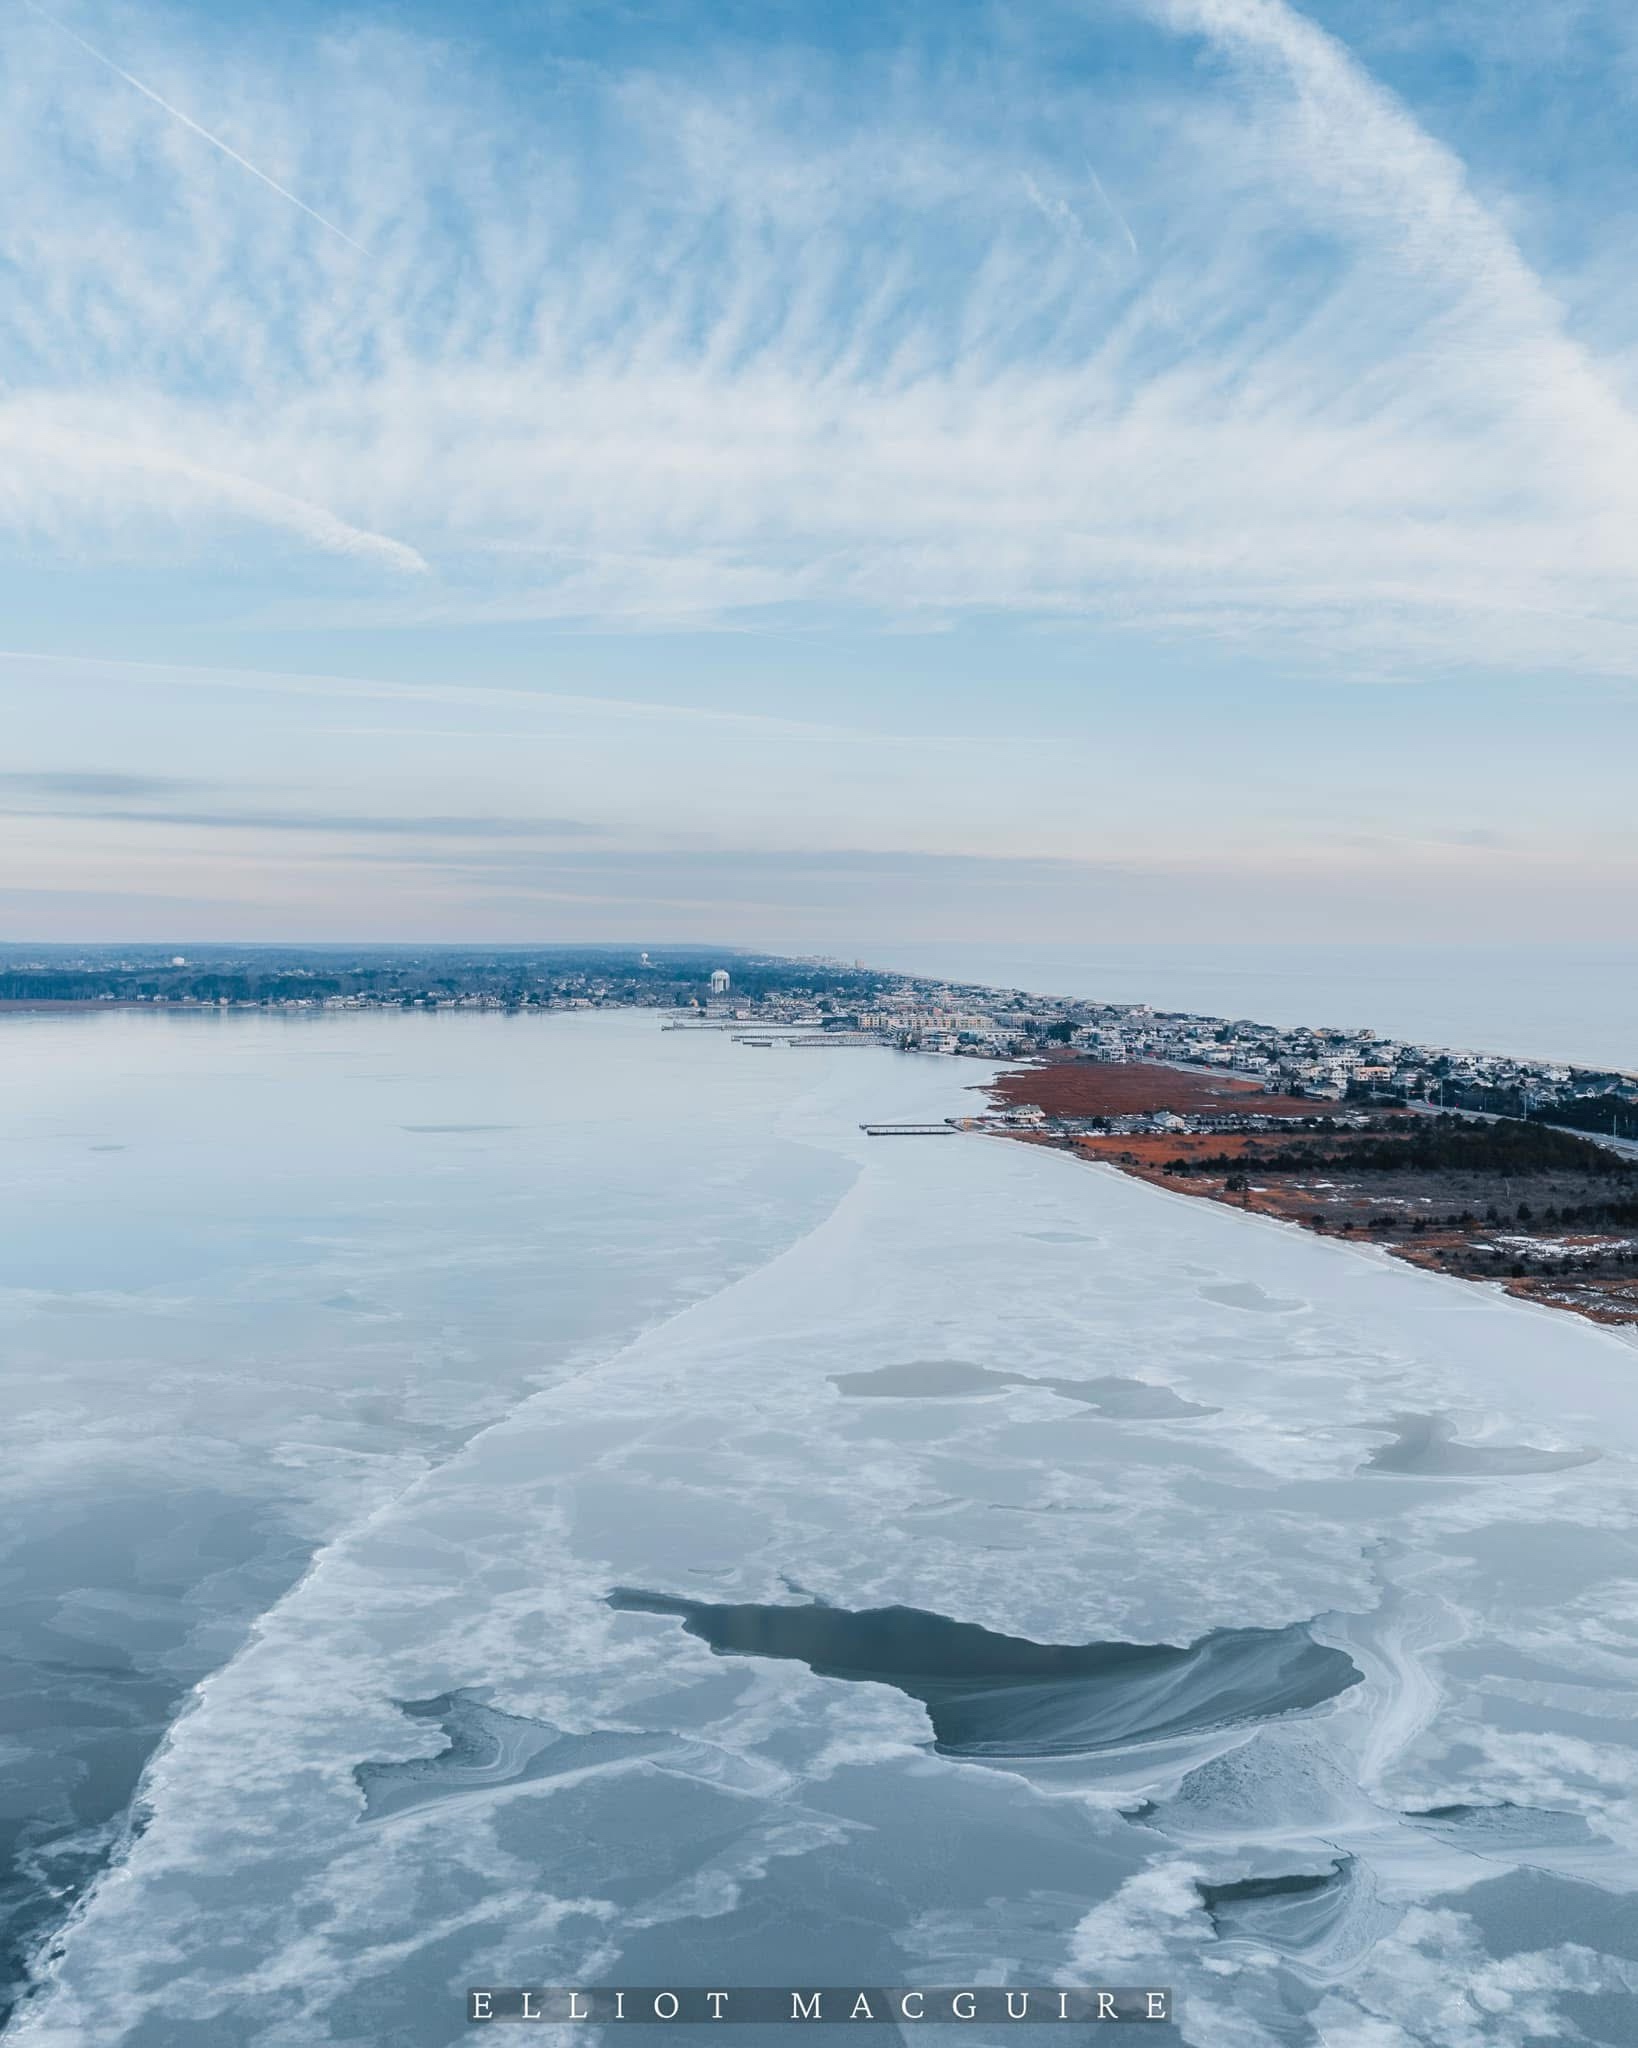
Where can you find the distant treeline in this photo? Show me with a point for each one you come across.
(1618, 1215)
(1440, 1144)
(54, 985)
(1615, 1115)
(278, 975)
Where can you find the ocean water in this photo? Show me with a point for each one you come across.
(1575, 1003)
(549, 1501)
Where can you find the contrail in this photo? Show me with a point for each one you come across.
(1114, 211)
(177, 114)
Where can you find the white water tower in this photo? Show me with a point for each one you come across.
(719, 982)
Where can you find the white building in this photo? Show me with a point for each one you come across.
(719, 982)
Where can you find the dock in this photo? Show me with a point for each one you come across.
(910, 1130)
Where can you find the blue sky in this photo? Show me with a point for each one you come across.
(815, 475)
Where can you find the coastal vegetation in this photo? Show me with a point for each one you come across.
(1439, 1143)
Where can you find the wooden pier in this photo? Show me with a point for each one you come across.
(910, 1130)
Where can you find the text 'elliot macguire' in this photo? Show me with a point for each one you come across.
(774, 2005)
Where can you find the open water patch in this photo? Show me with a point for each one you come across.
(991, 1695)
(1246, 1294)
(485, 1751)
(1290, 1911)
(955, 1379)
(1503, 1826)
(1134, 1400)
(448, 1130)
(1427, 1445)
(923, 1379)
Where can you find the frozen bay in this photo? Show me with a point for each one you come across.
(568, 1400)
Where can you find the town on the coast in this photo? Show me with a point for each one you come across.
(1479, 1164)
(765, 997)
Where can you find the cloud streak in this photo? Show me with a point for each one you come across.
(70, 461)
(47, 786)
(140, 800)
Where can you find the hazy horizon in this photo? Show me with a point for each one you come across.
(1549, 1002)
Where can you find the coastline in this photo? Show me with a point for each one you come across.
(1222, 1140)
(1381, 1256)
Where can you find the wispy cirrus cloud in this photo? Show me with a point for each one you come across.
(76, 456)
(768, 334)
(342, 824)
